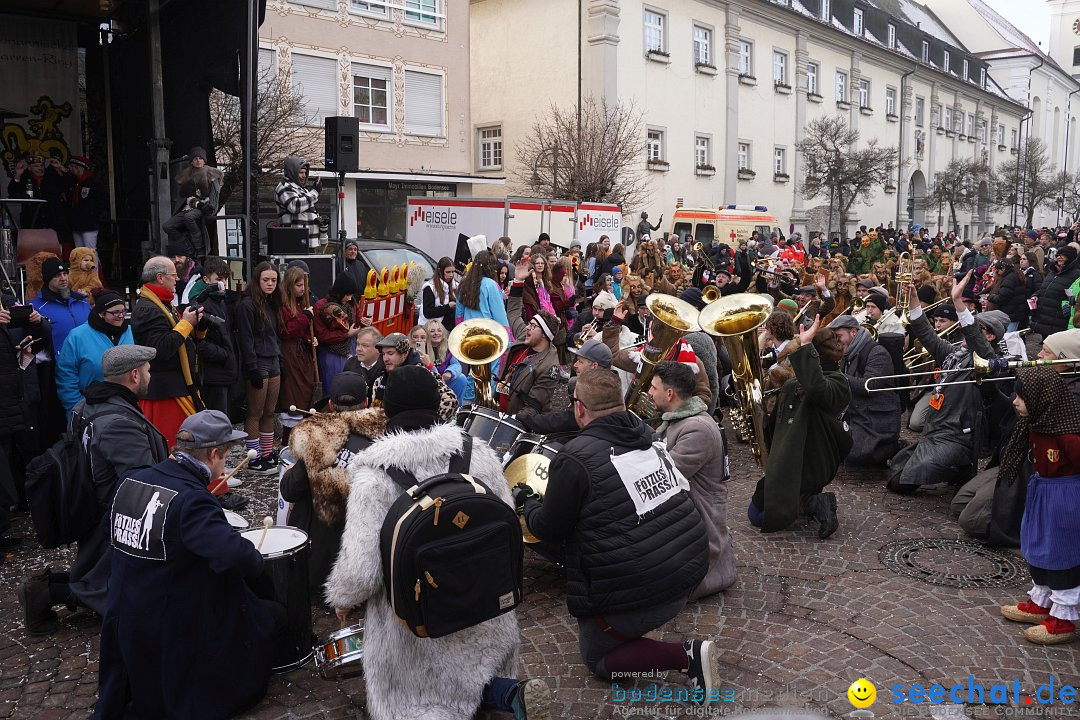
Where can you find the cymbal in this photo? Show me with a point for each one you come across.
(532, 470)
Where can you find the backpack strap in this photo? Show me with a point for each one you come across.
(459, 463)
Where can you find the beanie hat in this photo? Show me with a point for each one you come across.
(1068, 252)
(177, 248)
(410, 387)
(107, 300)
(693, 296)
(684, 354)
(790, 305)
(1064, 344)
(878, 300)
(51, 268)
(197, 152)
(344, 285)
(298, 263)
(927, 294)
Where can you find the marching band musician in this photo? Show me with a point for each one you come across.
(529, 377)
(808, 295)
(398, 351)
(587, 326)
(592, 355)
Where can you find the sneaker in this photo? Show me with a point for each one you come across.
(234, 482)
(702, 663)
(262, 465)
(38, 616)
(1052, 631)
(1025, 612)
(822, 507)
(232, 501)
(532, 701)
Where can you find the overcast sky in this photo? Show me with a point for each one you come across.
(1031, 16)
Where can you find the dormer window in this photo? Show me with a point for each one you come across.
(826, 11)
(857, 23)
(925, 51)
(892, 37)
(945, 61)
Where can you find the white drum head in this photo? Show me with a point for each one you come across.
(285, 457)
(279, 540)
(236, 520)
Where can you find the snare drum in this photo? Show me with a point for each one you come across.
(497, 429)
(341, 656)
(236, 520)
(285, 575)
(285, 461)
(529, 443)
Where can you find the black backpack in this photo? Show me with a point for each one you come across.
(452, 551)
(60, 490)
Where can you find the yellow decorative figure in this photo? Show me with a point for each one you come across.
(862, 693)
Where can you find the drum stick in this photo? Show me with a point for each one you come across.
(267, 522)
(247, 458)
(294, 409)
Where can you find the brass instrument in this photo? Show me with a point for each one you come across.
(585, 335)
(735, 319)
(710, 293)
(905, 273)
(702, 257)
(981, 367)
(802, 311)
(672, 318)
(479, 343)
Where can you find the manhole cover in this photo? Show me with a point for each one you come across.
(955, 563)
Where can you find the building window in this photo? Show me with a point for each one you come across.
(424, 107)
(892, 36)
(890, 101)
(702, 151)
(1013, 138)
(779, 68)
(744, 156)
(267, 61)
(746, 58)
(1000, 134)
(982, 78)
(426, 12)
(1076, 55)
(654, 31)
(315, 78)
(490, 144)
(959, 121)
(925, 51)
(965, 69)
(702, 45)
(325, 4)
(920, 110)
(779, 161)
(982, 131)
(841, 86)
(826, 11)
(811, 78)
(655, 145)
(857, 22)
(864, 93)
(371, 94)
(946, 119)
(946, 61)
(971, 124)
(371, 7)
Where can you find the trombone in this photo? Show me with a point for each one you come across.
(985, 370)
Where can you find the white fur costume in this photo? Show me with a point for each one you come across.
(411, 678)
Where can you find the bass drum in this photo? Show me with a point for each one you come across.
(529, 443)
(497, 429)
(284, 579)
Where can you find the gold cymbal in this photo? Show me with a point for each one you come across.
(531, 470)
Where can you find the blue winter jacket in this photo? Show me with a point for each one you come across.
(79, 362)
(65, 315)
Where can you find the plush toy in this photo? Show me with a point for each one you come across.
(84, 275)
(34, 280)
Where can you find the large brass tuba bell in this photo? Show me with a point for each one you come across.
(479, 343)
(672, 318)
(735, 319)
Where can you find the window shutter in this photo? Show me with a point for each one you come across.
(316, 79)
(325, 4)
(375, 72)
(266, 60)
(423, 103)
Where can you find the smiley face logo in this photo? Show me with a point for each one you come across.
(862, 693)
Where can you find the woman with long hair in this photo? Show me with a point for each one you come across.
(1031, 265)
(437, 295)
(1009, 293)
(480, 297)
(603, 248)
(588, 266)
(615, 258)
(445, 364)
(260, 360)
(295, 316)
(503, 278)
(538, 291)
(564, 292)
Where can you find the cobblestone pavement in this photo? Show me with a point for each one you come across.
(804, 620)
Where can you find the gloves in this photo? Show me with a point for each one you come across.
(255, 378)
(523, 492)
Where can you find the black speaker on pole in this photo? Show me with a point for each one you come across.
(342, 144)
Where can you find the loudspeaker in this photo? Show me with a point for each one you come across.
(287, 241)
(323, 271)
(342, 147)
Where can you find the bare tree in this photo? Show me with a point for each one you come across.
(1027, 181)
(1068, 193)
(281, 128)
(956, 187)
(600, 160)
(838, 170)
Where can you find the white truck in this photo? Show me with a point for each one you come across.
(435, 224)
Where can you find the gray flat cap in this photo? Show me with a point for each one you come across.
(594, 350)
(995, 322)
(843, 321)
(207, 429)
(125, 358)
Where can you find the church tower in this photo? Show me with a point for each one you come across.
(1065, 34)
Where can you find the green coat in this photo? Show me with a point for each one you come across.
(809, 441)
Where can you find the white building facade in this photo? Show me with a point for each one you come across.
(726, 90)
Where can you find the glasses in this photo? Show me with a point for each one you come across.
(115, 313)
(172, 274)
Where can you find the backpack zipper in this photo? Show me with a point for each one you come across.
(431, 580)
(417, 588)
(438, 504)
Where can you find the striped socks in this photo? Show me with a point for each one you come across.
(266, 444)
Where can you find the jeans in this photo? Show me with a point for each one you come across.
(499, 694)
(1013, 326)
(85, 238)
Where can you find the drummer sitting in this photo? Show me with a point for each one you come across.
(179, 613)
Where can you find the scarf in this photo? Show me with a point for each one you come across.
(691, 407)
(156, 294)
(861, 339)
(163, 294)
(1052, 410)
(545, 299)
(196, 467)
(111, 331)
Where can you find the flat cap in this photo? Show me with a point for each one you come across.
(844, 321)
(596, 351)
(125, 358)
(207, 429)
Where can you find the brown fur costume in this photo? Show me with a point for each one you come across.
(85, 281)
(317, 441)
(34, 280)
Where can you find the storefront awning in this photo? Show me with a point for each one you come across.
(414, 177)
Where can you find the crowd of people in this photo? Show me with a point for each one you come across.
(862, 334)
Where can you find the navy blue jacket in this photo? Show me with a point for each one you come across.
(182, 632)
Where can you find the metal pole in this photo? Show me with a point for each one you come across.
(249, 117)
(900, 159)
(161, 200)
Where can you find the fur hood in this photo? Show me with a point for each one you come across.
(317, 441)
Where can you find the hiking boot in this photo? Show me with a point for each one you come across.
(822, 507)
(701, 671)
(1025, 612)
(232, 501)
(1052, 631)
(264, 465)
(36, 601)
(532, 701)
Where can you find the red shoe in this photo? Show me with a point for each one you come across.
(1052, 631)
(1025, 612)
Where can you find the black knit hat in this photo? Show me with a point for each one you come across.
(879, 300)
(51, 268)
(410, 387)
(106, 300)
(344, 285)
(927, 294)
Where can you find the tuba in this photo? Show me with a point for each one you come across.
(672, 318)
(735, 319)
(479, 343)
(710, 293)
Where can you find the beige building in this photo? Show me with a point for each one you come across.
(727, 88)
(402, 68)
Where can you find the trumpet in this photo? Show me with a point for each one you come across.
(710, 293)
(905, 271)
(586, 334)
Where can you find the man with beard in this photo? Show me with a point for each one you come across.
(296, 201)
(198, 185)
(397, 351)
(79, 362)
(39, 179)
(64, 308)
(117, 438)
